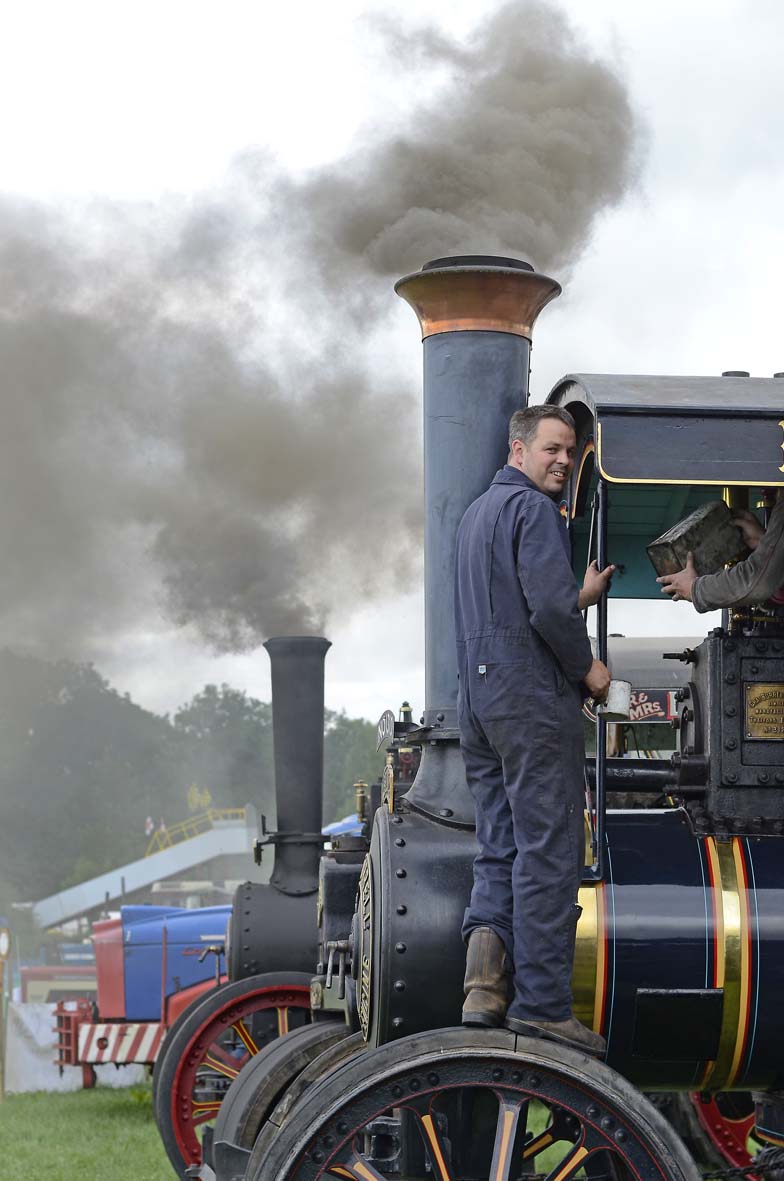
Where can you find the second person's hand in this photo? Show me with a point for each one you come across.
(749, 526)
(679, 586)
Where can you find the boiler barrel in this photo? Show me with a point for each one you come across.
(270, 932)
(679, 959)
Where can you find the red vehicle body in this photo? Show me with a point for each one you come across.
(91, 1032)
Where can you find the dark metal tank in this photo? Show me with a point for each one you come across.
(679, 952)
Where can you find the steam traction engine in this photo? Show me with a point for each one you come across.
(272, 937)
(680, 950)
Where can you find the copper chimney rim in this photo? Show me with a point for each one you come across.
(477, 294)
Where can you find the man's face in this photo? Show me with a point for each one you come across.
(548, 459)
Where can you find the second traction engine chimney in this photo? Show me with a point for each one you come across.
(273, 927)
(477, 315)
(297, 664)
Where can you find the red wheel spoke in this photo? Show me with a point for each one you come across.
(745, 1127)
(221, 1054)
(729, 1135)
(244, 1034)
(283, 1020)
(201, 1112)
(221, 1067)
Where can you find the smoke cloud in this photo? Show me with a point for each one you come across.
(199, 420)
(525, 142)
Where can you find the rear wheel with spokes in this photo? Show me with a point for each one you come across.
(478, 1105)
(205, 1051)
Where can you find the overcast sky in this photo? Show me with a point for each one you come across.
(121, 120)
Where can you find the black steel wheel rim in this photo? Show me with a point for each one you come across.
(300, 1091)
(464, 1100)
(262, 1080)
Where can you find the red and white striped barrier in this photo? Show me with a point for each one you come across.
(120, 1042)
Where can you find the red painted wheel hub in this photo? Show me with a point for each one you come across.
(727, 1125)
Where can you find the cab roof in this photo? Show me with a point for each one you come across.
(676, 430)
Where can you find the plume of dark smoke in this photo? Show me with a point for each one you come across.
(525, 141)
(195, 421)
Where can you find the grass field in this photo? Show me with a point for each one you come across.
(100, 1135)
(108, 1135)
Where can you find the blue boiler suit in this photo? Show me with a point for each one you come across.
(522, 650)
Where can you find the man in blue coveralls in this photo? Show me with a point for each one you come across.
(523, 654)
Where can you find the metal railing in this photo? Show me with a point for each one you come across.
(185, 830)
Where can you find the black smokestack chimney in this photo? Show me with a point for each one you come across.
(477, 314)
(298, 735)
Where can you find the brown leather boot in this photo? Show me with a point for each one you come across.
(569, 1032)
(488, 979)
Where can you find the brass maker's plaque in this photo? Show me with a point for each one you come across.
(765, 710)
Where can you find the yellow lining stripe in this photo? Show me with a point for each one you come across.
(503, 1144)
(537, 1145)
(768, 1137)
(697, 483)
(221, 1067)
(589, 449)
(243, 1033)
(360, 1169)
(718, 933)
(601, 958)
(428, 1125)
(584, 977)
(729, 941)
(745, 961)
(283, 1021)
(720, 968)
(571, 1164)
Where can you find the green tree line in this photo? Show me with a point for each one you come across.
(82, 767)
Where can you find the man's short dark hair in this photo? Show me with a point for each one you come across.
(525, 423)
